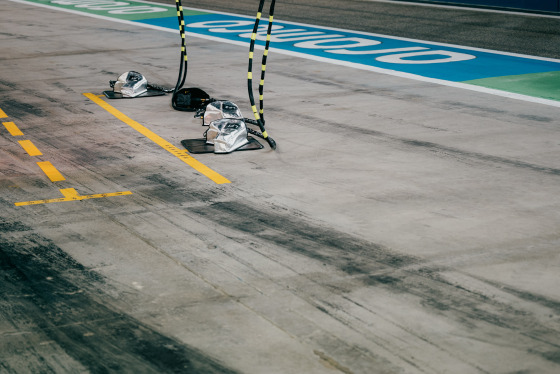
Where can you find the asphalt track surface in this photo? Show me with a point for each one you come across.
(531, 34)
(400, 226)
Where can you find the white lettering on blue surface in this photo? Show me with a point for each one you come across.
(137, 10)
(335, 43)
(113, 7)
(351, 42)
(292, 35)
(211, 24)
(403, 58)
(375, 51)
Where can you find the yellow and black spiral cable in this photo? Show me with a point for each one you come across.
(184, 59)
(186, 99)
(259, 114)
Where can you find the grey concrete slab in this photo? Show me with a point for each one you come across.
(400, 226)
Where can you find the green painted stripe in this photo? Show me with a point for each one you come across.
(544, 85)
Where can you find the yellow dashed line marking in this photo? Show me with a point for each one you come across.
(182, 154)
(70, 194)
(53, 174)
(30, 148)
(12, 128)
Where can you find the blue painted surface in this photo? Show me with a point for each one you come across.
(474, 64)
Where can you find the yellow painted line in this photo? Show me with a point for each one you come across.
(53, 174)
(30, 148)
(182, 154)
(3, 114)
(70, 194)
(12, 128)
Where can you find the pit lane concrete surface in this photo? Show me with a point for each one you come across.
(400, 226)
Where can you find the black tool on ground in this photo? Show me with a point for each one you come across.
(189, 99)
(202, 146)
(259, 115)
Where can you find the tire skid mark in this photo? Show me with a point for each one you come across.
(324, 244)
(538, 299)
(372, 265)
(50, 298)
(428, 146)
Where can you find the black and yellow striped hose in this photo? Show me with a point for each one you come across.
(264, 57)
(183, 61)
(186, 99)
(259, 114)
